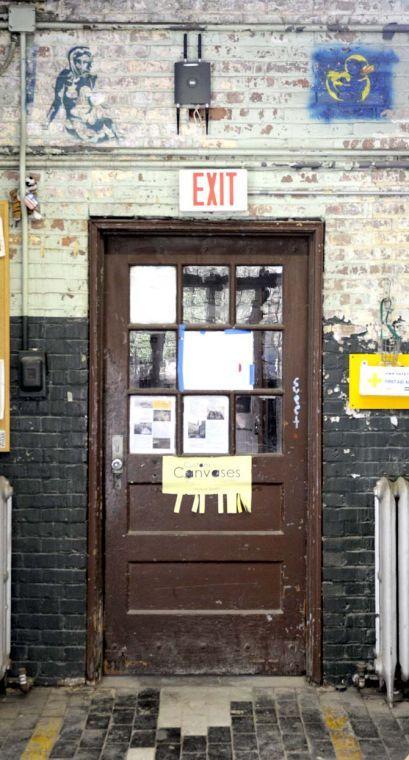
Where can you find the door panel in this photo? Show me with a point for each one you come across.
(214, 593)
(267, 503)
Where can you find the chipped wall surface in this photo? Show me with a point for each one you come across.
(366, 217)
(102, 142)
(227, 11)
(264, 89)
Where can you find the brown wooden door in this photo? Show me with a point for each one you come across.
(205, 593)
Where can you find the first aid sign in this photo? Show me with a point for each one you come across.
(212, 190)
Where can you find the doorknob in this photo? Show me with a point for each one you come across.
(117, 464)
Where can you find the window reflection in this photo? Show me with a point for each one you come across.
(152, 359)
(258, 424)
(205, 294)
(268, 358)
(259, 295)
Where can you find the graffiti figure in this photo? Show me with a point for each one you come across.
(352, 84)
(86, 118)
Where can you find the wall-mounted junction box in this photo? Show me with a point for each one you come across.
(31, 373)
(22, 18)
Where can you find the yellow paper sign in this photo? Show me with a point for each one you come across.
(4, 330)
(228, 478)
(366, 383)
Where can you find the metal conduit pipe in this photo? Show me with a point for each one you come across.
(297, 27)
(22, 168)
(163, 159)
(284, 157)
(267, 153)
(351, 193)
(72, 162)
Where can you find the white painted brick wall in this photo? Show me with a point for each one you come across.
(366, 236)
(261, 80)
(261, 85)
(230, 11)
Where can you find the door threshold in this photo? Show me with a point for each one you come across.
(159, 682)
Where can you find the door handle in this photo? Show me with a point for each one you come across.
(117, 451)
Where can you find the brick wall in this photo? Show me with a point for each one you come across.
(359, 448)
(227, 11)
(300, 168)
(47, 467)
(261, 90)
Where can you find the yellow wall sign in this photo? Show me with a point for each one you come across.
(229, 478)
(4, 330)
(376, 385)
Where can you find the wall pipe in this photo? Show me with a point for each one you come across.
(297, 27)
(334, 193)
(22, 169)
(122, 164)
(341, 160)
(57, 150)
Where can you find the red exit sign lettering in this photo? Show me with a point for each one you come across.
(212, 190)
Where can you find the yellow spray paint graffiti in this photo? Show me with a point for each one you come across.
(228, 478)
(352, 82)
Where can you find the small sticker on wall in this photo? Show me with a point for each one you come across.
(2, 439)
(228, 478)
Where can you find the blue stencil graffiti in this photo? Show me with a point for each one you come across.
(31, 67)
(352, 83)
(75, 92)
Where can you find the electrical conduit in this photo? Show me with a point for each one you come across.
(24, 215)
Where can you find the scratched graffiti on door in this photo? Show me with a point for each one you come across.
(86, 118)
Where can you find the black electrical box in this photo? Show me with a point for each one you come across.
(32, 373)
(192, 82)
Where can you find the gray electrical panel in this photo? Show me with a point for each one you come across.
(22, 18)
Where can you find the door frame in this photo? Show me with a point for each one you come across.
(99, 229)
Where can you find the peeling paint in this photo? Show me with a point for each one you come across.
(344, 330)
(357, 414)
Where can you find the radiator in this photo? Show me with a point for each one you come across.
(391, 581)
(5, 574)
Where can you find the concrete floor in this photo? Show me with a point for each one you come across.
(202, 719)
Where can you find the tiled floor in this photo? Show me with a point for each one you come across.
(202, 719)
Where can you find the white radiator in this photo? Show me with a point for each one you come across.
(392, 581)
(5, 574)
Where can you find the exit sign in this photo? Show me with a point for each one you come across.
(212, 190)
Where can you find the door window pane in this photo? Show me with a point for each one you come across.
(258, 424)
(152, 359)
(259, 295)
(153, 295)
(205, 294)
(152, 424)
(267, 358)
(206, 424)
